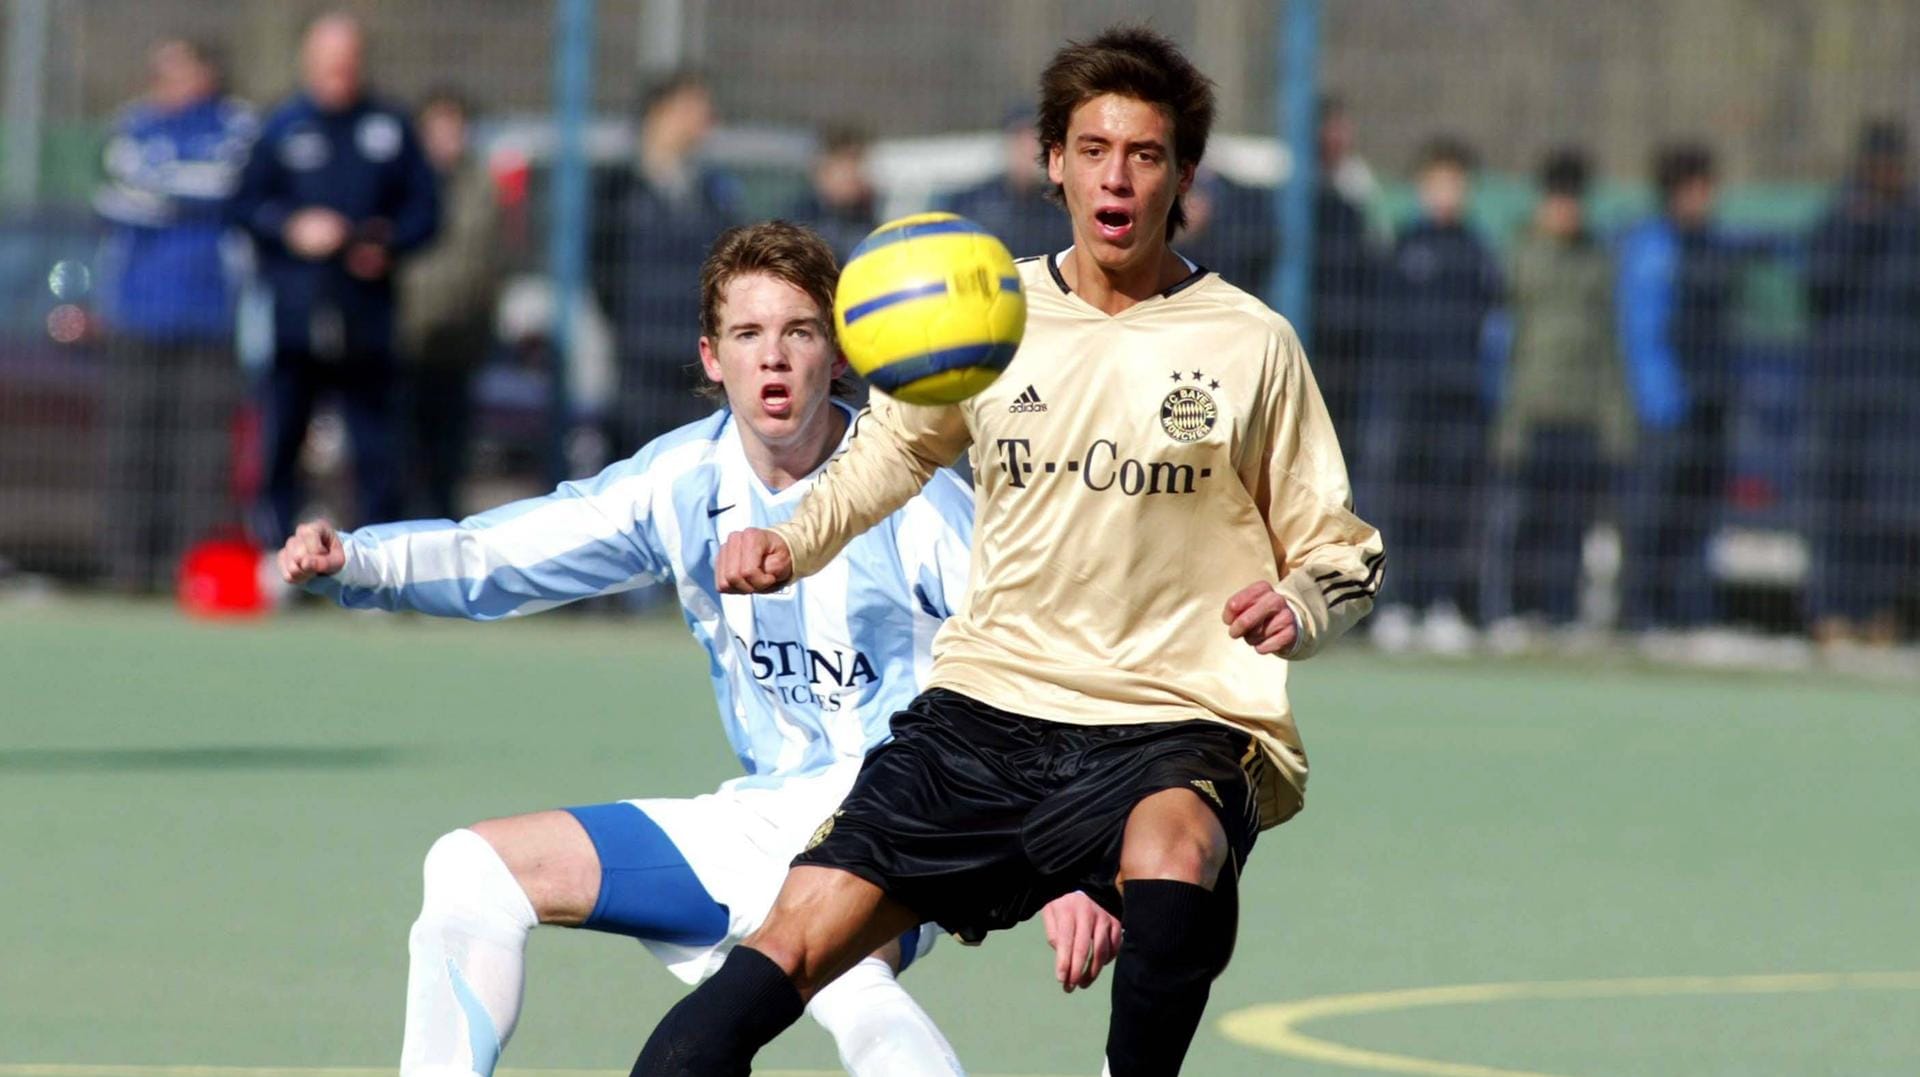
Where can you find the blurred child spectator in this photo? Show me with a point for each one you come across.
(1675, 295)
(171, 163)
(1564, 421)
(1430, 414)
(840, 203)
(1863, 279)
(335, 191)
(447, 296)
(654, 218)
(1016, 205)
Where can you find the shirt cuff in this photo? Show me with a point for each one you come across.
(1310, 613)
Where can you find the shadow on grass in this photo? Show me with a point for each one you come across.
(202, 758)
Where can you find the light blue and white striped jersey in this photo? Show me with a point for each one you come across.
(805, 678)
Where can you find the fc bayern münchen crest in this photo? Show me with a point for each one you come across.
(1188, 413)
(820, 833)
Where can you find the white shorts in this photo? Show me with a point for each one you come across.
(739, 840)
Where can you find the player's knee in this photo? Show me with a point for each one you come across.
(785, 942)
(1185, 853)
(446, 866)
(464, 880)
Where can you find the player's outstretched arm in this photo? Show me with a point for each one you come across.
(1084, 937)
(896, 449)
(314, 549)
(587, 538)
(753, 562)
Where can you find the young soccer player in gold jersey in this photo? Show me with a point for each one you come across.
(1162, 524)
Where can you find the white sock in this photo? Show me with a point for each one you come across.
(880, 1030)
(468, 960)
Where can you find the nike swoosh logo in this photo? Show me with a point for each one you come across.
(718, 509)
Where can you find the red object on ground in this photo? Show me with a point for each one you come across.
(221, 578)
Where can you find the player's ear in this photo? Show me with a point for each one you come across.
(1056, 170)
(1186, 177)
(710, 360)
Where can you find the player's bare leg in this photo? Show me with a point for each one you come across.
(553, 860)
(824, 921)
(1180, 896)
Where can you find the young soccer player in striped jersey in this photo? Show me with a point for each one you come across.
(806, 680)
(1109, 709)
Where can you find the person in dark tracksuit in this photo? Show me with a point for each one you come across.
(1346, 280)
(174, 386)
(1429, 416)
(655, 218)
(336, 189)
(1863, 284)
(1016, 205)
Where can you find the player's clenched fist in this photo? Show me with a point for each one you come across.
(753, 562)
(1260, 615)
(313, 550)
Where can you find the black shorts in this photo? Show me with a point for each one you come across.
(975, 818)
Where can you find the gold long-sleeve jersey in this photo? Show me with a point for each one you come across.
(1132, 472)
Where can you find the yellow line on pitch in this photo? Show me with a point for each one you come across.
(98, 1070)
(1275, 1026)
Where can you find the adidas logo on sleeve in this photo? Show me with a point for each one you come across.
(1028, 401)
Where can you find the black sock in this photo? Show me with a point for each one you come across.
(716, 1030)
(1178, 938)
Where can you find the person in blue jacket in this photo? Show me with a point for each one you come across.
(336, 190)
(166, 300)
(1675, 293)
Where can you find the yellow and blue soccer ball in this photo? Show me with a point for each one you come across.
(930, 308)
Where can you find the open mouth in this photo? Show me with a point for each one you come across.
(776, 399)
(1113, 224)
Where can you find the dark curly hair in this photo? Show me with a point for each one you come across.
(1132, 61)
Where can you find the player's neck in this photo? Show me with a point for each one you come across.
(783, 464)
(1114, 290)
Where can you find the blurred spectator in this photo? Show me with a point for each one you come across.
(1564, 420)
(1230, 229)
(1016, 205)
(171, 163)
(1340, 163)
(1429, 413)
(840, 203)
(1676, 291)
(447, 296)
(1346, 275)
(654, 219)
(336, 189)
(1863, 278)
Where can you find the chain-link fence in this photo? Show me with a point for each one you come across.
(1617, 307)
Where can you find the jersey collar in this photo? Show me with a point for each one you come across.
(736, 447)
(1195, 272)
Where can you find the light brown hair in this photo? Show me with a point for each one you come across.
(779, 249)
(1132, 61)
